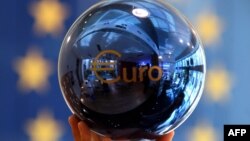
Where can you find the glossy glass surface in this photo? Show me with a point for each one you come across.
(132, 68)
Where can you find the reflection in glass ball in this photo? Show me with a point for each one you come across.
(132, 69)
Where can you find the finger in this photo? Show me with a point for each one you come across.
(95, 137)
(73, 122)
(106, 139)
(167, 137)
(84, 131)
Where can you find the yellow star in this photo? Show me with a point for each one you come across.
(209, 27)
(218, 84)
(33, 71)
(202, 132)
(49, 16)
(44, 128)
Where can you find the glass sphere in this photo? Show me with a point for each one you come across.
(132, 69)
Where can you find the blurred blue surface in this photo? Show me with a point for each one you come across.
(230, 53)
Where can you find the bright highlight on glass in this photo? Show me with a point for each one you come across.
(139, 12)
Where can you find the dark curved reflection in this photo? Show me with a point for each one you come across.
(132, 69)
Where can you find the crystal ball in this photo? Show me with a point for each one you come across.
(132, 69)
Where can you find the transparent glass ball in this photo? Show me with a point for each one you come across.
(132, 69)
